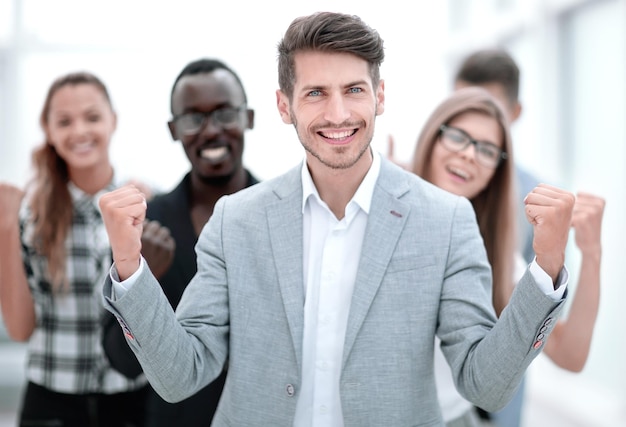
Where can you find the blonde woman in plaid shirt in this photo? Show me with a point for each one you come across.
(54, 254)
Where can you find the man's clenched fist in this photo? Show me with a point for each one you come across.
(549, 210)
(123, 212)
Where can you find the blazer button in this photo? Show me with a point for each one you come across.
(291, 391)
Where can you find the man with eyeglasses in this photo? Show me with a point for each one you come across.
(209, 117)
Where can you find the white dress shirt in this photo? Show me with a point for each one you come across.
(332, 249)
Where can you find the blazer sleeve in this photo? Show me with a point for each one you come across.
(488, 360)
(195, 340)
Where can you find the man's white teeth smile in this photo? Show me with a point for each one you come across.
(337, 135)
(215, 153)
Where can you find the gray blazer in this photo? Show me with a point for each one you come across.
(423, 271)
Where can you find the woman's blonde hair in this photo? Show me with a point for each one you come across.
(496, 205)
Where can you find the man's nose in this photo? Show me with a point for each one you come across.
(337, 110)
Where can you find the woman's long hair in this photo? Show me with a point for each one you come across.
(50, 200)
(496, 205)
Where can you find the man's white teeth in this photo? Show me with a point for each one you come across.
(214, 153)
(337, 135)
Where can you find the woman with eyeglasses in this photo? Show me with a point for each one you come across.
(465, 148)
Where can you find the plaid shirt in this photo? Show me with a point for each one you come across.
(65, 352)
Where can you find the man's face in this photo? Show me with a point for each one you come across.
(215, 150)
(512, 110)
(333, 109)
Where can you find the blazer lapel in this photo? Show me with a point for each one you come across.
(385, 223)
(285, 229)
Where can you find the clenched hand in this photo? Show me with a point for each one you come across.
(10, 201)
(587, 223)
(549, 210)
(158, 247)
(123, 212)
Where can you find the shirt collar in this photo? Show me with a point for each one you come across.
(363, 195)
(80, 198)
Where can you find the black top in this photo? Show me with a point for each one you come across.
(172, 211)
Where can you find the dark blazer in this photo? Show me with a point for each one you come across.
(172, 211)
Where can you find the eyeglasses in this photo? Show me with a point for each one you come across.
(455, 140)
(189, 124)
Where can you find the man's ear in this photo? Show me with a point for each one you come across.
(170, 126)
(250, 117)
(282, 102)
(380, 98)
(516, 111)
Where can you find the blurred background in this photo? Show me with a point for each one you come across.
(572, 132)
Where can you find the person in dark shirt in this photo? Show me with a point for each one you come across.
(209, 117)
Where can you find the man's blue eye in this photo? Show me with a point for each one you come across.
(355, 90)
(315, 93)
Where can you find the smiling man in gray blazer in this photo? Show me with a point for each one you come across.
(323, 289)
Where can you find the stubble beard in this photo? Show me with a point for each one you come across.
(343, 162)
(339, 165)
